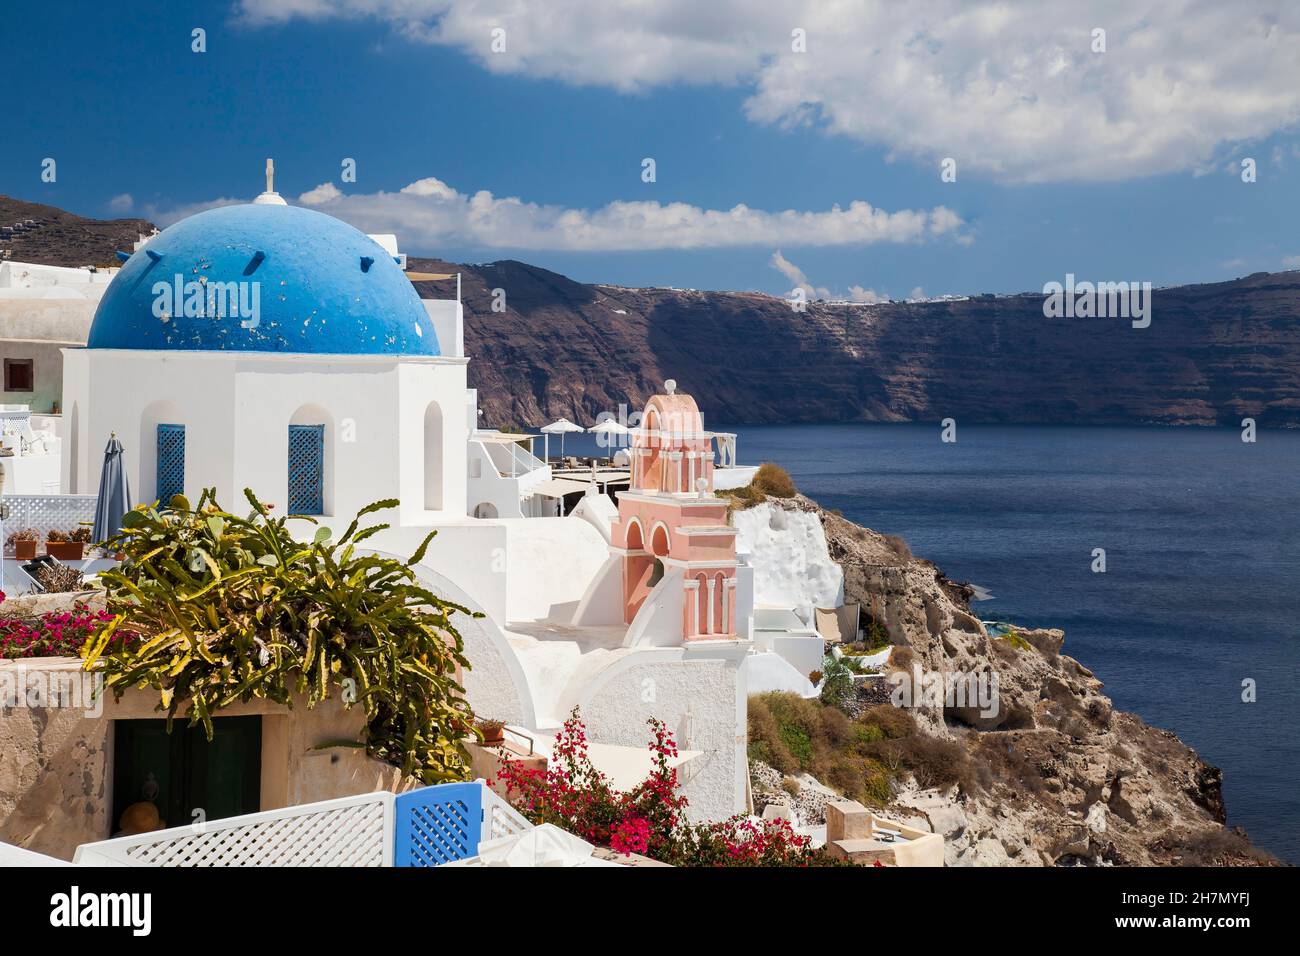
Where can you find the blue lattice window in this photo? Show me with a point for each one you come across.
(169, 479)
(306, 469)
(435, 825)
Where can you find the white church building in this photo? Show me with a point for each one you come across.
(276, 348)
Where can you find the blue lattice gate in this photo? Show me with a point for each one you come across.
(435, 825)
(169, 474)
(306, 469)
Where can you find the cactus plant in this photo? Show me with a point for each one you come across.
(231, 608)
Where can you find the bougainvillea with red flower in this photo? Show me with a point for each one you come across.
(650, 818)
(55, 634)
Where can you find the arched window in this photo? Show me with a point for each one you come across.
(702, 604)
(659, 542)
(433, 459)
(485, 509)
(306, 469)
(719, 604)
(170, 478)
(310, 456)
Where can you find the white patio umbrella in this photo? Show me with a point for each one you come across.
(609, 426)
(606, 430)
(559, 427)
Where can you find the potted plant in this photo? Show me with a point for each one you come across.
(64, 545)
(492, 731)
(23, 541)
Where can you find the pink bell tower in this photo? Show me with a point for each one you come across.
(671, 527)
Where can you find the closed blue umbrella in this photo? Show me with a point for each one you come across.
(114, 493)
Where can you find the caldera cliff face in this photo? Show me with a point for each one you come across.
(1057, 777)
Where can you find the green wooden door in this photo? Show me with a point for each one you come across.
(183, 771)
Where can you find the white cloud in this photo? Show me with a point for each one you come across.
(325, 192)
(1010, 90)
(164, 217)
(797, 276)
(121, 203)
(428, 215)
(1291, 262)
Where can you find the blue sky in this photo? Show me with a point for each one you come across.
(116, 95)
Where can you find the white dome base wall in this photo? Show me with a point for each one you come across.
(237, 407)
(495, 685)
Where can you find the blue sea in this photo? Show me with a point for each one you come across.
(1202, 583)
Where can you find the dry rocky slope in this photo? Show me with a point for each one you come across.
(1059, 777)
(65, 239)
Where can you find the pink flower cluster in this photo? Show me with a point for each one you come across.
(56, 634)
(648, 819)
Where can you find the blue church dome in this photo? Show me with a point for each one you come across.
(263, 278)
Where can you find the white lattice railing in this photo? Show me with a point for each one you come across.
(46, 512)
(500, 819)
(352, 831)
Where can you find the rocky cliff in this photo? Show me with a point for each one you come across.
(1213, 354)
(1058, 776)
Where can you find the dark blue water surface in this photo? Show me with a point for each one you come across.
(1202, 540)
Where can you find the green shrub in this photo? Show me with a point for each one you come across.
(901, 657)
(772, 479)
(892, 722)
(798, 742)
(901, 551)
(877, 636)
(230, 608)
(867, 733)
(741, 499)
(877, 788)
(861, 758)
(837, 681)
(932, 761)
(854, 664)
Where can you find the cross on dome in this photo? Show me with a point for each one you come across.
(270, 197)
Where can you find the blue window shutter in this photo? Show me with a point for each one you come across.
(306, 469)
(170, 474)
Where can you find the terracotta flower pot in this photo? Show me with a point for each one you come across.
(24, 550)
(66, 550)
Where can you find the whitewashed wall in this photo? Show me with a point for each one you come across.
(237, 409)
(702, 701)
(787, 550)
(551, 562)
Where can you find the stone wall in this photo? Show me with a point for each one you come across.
(56, 762)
